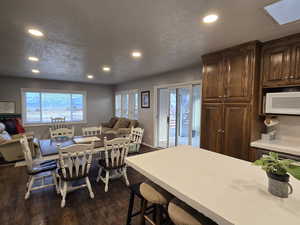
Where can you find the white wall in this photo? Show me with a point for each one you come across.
(289, 126)
(148, 83)
(100, 99)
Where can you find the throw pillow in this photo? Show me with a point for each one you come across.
(112, 122)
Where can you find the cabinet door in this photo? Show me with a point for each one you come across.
(276, 66)
(213, 80)
(295, 75)
(238, 75)
(211, 126)
(236, 130)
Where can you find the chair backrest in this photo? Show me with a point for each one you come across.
(58, 122)
(75, 160)
(136, 135)
(116, 151)
(62, 132)
(27, 153)
(91, 131)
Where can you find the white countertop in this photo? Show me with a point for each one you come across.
(284, 145)
(228, 190)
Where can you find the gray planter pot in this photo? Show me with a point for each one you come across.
(279, 185)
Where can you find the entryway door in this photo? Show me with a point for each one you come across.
(178, 116)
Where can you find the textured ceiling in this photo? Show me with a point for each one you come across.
(83, 35)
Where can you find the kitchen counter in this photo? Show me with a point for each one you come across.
(282, 145)
(227, 190)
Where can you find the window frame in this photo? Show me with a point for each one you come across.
(130, 110)
(56, 91)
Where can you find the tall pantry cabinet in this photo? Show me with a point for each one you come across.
(230, 99)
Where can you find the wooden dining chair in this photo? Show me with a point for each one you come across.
(136, 136)
(74, 164)
(116, 151)
(91, 131)
(61, 132)
(58, 122)
(37, 170)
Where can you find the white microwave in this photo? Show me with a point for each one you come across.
(287, 103)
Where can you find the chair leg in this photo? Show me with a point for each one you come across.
(88, 184)
(130, 208)
(55, 181)
(99, 174)
(125, 176)
(158, 214)
(64, 194)
(143, 210)
(29, 186)
(106, 180)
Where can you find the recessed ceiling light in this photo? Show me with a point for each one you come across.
(35, 32)
(106, 68)
(32, 58)
(210, 18)
(90, 76)
(35, 71)
(136, 54)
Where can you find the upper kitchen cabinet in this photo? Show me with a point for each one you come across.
(238, 75)
(228, 75)
(213, 90)
(276, 66)
(280, 62)
(295, 77)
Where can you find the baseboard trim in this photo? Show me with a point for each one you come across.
(148, 145)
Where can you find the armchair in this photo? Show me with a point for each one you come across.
(11, 150)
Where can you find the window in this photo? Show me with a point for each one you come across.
(127, 104)
(39, 106)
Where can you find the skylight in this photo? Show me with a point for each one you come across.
(284, 11)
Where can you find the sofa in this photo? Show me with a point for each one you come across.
(11, 150)
(119, 126)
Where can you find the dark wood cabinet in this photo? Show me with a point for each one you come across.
(237, 75)
(211, 130)
(281, 62)
(230, 86)
(236, 130)
(296, 64)
(276, 66)
(212, 76)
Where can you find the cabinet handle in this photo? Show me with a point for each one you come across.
(219, 131)
(292, 77)
(220, 96)
(286, 77)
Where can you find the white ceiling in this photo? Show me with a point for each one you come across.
(83, 35)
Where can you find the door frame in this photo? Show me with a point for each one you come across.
(156, 101)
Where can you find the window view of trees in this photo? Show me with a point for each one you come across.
(40, 107)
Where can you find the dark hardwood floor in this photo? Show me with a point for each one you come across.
(43, 206)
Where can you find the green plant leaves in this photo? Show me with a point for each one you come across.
(272, 164)
(294, 171)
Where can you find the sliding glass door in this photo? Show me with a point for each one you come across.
(178, 118)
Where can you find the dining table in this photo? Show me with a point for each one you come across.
(48, 148)
(230, 191)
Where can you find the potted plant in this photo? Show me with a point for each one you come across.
(278, 171)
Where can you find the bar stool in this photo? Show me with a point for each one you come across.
(135, 192)
(182, 214)
(157, 196)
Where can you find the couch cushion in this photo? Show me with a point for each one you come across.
(122, 123)
(133, 123)
(112, 122)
